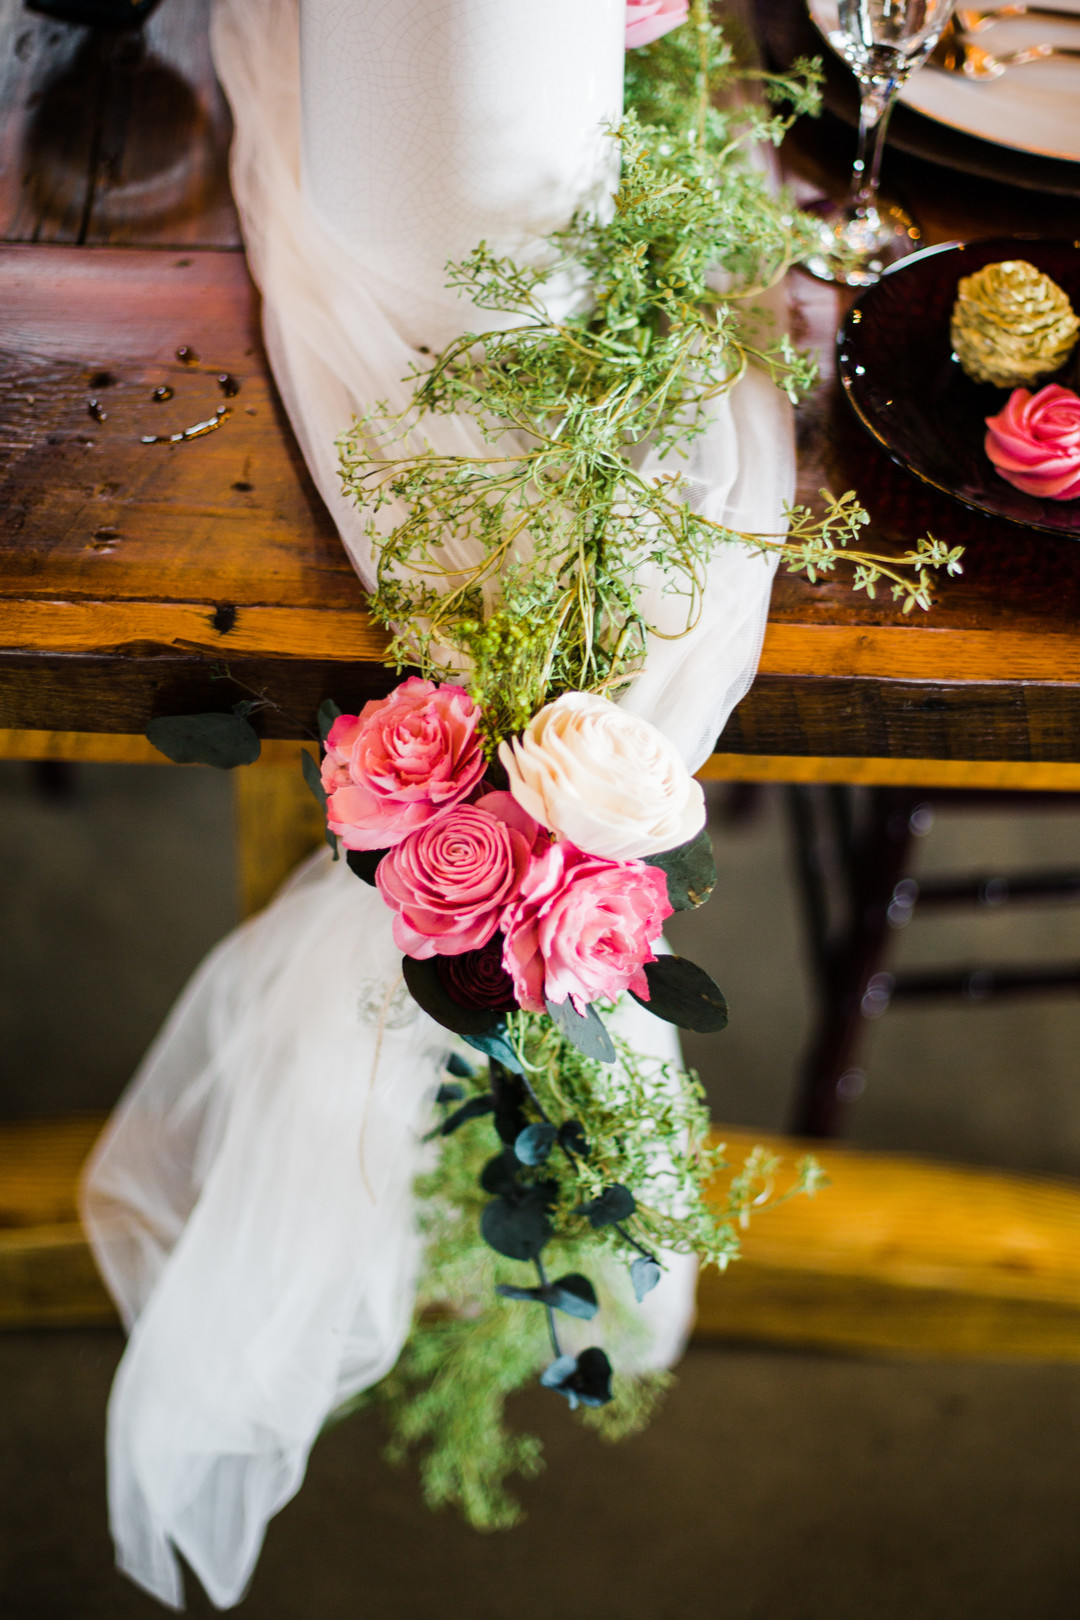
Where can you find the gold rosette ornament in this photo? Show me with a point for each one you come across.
(1012, 325)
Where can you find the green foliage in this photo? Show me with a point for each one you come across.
(559, 520)
(645, 1124)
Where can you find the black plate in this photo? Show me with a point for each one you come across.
(894, 357)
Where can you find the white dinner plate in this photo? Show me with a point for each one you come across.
(1034, 108)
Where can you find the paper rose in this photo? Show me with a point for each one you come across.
(606, 780)
(1035, 442)
(401, 761)
(478, 978)
(582, 927)
(450, 882)
(646, 20)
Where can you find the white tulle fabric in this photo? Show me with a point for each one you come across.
(250, 1202)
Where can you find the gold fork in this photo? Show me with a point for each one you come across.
(975, 22)
(958, 55)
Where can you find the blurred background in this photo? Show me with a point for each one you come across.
(776, 1484)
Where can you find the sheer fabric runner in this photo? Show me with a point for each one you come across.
(250, 1202)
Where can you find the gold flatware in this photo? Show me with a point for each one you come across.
(975, 22)
(958, 55)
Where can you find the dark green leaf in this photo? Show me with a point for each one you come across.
(449, 1093)
(313, 776)
(534, 1143)
(587, 1034)
(328, 713)
(615, 1203)
(690, 871)
(494, 1044)
(509, 1092)
(517, 1228)
(363, 862)
(585, 1380)
(224, 740)
(426, 988)
(473, 1109)
(457, 1065)
(572, 1137)
(497, 1176)
(573, 1294)
(645, 1273)
(685, 995)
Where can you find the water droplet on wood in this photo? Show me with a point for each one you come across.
(162, 393)
(95, 410)
(229, 385)
(186, 355)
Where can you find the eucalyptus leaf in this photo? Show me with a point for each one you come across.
(494, 1044)
(313, 777)
(475, 1108)
(585, 1380)
(572, 1137)
(690, 871)
(645, 1273)
(456, 1065)
(426, 988)
(587, 1033)
(684, 994)
(516, 1227)
(534, 1143)
(497, 1176)
(450, 1093)
(615, 1203)
(224, 740)
(572, 1294)
(328, 713)
(363, 863)
(575, 1295)
(509, 1091)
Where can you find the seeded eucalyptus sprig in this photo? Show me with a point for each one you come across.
(557, 517)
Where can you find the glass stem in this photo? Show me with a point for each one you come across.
(875, 105)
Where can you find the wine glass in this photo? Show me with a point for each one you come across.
(883, 42)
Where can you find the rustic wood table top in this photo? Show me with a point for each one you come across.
(142, 579)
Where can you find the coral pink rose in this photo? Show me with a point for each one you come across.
(400, 762)
(646, 20)
(583, 927)
(450, 882)
(1035, 442)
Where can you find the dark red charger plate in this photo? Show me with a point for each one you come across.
(894, 359)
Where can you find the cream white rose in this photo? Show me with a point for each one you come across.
(606, 780)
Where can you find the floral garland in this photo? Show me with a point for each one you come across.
(529, 835)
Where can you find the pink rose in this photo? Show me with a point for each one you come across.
(450, 882)
(646, 20)
(583, 927)
(1035, 442)
(400, 762)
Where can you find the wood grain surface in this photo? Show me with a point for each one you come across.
(897, 1254)
(131, 574)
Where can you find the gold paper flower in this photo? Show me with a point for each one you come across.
(1012, 325)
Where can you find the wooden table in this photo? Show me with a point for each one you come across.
(139, 580)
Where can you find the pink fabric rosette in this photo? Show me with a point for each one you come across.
(1035, 442)
(400, 762)
(583, 927)
(646, 20)
(450, 882)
